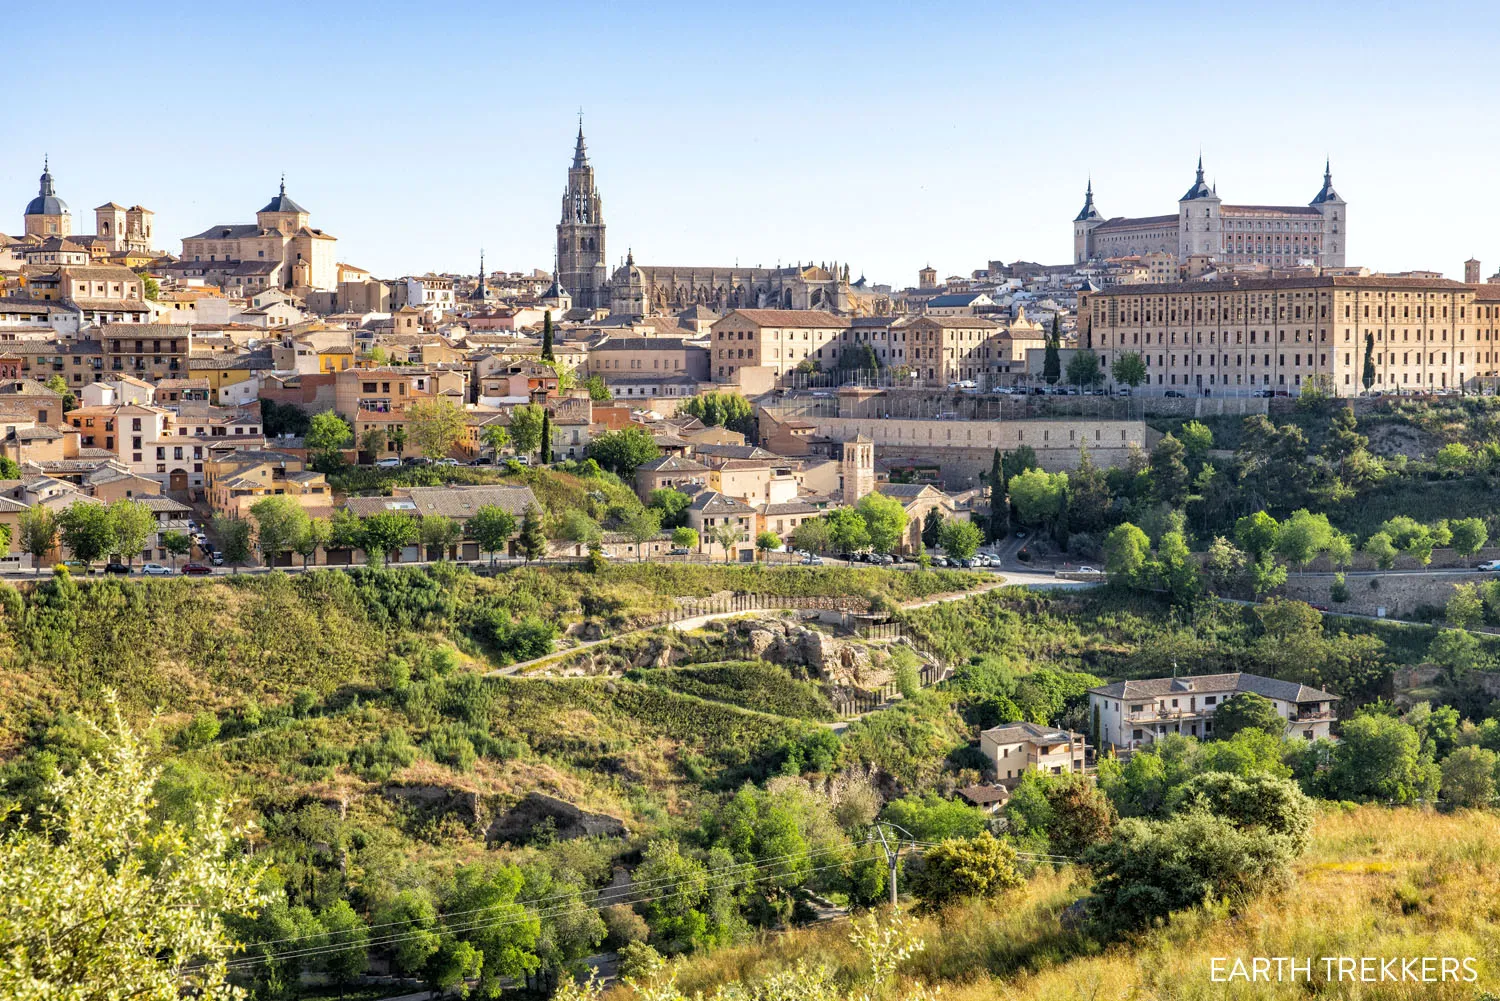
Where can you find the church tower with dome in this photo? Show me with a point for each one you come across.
(46, 214)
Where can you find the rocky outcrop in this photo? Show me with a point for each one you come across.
(540, 815)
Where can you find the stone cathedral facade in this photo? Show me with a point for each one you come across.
(643, 290)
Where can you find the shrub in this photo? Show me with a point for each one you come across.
(966, 867)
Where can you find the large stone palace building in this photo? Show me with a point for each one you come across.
(1270, 235)
(643, 290)
(279, 249)
(1235, 336)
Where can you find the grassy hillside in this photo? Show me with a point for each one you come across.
(1376, 882)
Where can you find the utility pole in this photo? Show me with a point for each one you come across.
(892, 848)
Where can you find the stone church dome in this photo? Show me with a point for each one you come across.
(46, 202)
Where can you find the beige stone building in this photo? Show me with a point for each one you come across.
(616, 357)
(1281, 335)
(1017, 748)
(1130, 714)
(280, 241)
(775, 341)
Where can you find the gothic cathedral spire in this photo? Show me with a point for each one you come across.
(580, 233)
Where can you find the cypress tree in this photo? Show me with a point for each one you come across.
(1051, 362)
(1368, 377)
(998, 510)
(546, 438)
(547, 336)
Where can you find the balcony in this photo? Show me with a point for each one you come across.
(1314, 716)
(1154, 715)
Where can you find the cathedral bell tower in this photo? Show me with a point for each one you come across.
(580, 234)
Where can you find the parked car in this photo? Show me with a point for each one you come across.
(116, 568)
(522, 460)
(416, 460)
(195, 569)
(940, 561)
(390, 463)
(1175, 394)
(217, 559)
(156, 570)
(678, 551)
(812, 560)
(1086, 570)
(966, 564)
(1489, 565)
(446, 462)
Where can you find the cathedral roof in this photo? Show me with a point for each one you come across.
(46, 202)
(1088, 211)
(581, 150)
(281, 203)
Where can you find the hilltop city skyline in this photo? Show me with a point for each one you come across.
(890, 151)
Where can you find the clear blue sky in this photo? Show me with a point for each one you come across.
(877, 133)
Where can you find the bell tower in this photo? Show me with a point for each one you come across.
(580, 233)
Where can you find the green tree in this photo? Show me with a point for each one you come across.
(386, 533)
(767, 543)
(577, 526)
(1303, 536)
(598, 389)
(95, 861)
(1084, 369)
(1147, 870)
(960, 538)
(39, 526)
(1089, 502)
(1038, 496)
(546, 456)
(532, 542)
(347, 943)
(722, 409)
(1465, 606)
(1257, 534)
(491, 527)
(279, 523)
(1179, 572)
(1458, 651)
(1469, 536)
(547, 336)
(178, 544)
(622, 450)
(1468, 777)
(1126, 552)
(1380, 548)
(885, 520)
(968, 867)
(672, 504)
(685, 538)
(234, 539)
(1169, 474)
(316, 534)
(1247, 711)
(1051, 360)
(59, 385)
(436, 426)
(1129, 369)
(440, 533)
(1367, 377)
(728, 535)
(1379, 757)
(409, 920)
(396, 435)
(1224, 562)
(373, 442)
(932, 527)
(641, 526)
(526, 427)
(87, 531)
(327, 434)
(496, 438)
(498, 926)
(812, 535)
(847, 531)
(133, 525)
(999, 523)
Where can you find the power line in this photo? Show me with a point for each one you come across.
(715, 882)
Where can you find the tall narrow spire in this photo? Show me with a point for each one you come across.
(1200, 166)
(581, 150)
